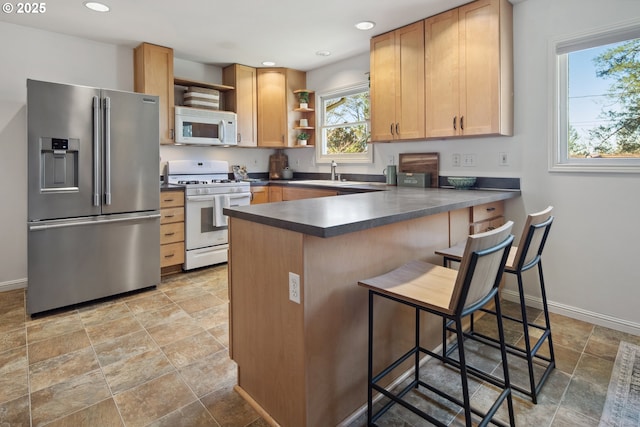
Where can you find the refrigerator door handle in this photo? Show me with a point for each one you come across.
(75, 223)
(96, 151)
(107, 150)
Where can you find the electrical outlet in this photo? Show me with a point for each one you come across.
(390, 160)
(503, 160)
(294, 287)
(468, 160)
(455, 160)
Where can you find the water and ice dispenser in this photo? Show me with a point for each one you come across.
(59, 164)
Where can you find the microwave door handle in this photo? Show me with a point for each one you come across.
(222, 131)
(107, 150)
(96, 151)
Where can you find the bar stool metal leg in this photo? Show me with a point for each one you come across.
(527, 255)
(453, 296)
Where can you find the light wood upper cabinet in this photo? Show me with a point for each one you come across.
(276, 104)
(243, 100)
(153, 74)
(469, 70)
(397, 84)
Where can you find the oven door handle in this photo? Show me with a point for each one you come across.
(236, 196)
(207, 198)
(210, 197)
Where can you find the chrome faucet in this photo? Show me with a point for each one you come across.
(333, 170)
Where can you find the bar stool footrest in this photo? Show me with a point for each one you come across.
(511, 349)
(398, 398)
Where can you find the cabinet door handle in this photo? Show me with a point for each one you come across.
(455, 118)
(491, 209)
(170, 256)
(169, 234)
(391, 128)
(398, 129)
(461, 122)
(239, 137)
(169, 216)
(167, 200)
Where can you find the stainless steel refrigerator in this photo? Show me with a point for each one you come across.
(94, 194)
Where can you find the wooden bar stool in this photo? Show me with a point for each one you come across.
(451, 295)
(525, 256)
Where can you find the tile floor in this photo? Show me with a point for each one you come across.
(160, 358)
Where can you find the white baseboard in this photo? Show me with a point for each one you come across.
(13, 284)
(576, 313)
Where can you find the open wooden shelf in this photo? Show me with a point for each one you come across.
(188, 82)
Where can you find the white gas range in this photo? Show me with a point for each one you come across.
(208, 190)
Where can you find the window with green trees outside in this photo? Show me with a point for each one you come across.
(598, 102)
(345, 125)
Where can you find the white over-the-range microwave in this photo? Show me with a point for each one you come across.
(205, 127)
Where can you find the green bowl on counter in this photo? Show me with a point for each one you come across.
(462, 182)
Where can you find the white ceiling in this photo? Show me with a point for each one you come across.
(221, 32)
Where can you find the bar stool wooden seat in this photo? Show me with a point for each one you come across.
(523, 257)
(452, 295)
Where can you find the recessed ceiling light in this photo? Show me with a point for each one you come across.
(268, 63)
(323, 53)
(365, 25)
(98, 7)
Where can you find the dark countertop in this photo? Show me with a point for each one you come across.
(333, 216)
(167, 187)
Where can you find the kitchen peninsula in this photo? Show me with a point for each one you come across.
(305, 364)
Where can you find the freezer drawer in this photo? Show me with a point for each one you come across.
(74, 261)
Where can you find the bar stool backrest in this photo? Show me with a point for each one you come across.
(533, 238)
(481, 266)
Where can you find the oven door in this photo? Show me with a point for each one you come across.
(205, 224)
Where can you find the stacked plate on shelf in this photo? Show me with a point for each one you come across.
(199, 97)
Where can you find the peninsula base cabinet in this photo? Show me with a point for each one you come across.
(305, 364)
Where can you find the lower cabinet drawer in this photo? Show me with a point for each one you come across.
(168, 215)
(171, 254)
(171, 233)
(486, 225)
(487, 211)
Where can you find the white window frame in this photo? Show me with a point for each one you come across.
(559, 160)
(340, 158)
